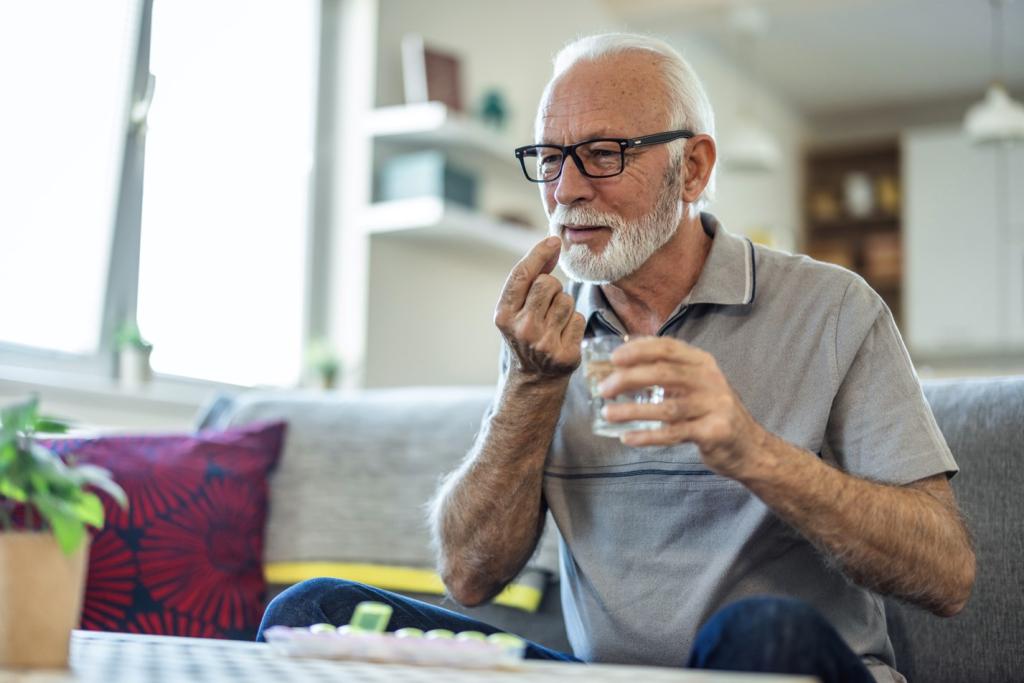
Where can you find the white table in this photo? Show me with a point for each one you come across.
(125, 658)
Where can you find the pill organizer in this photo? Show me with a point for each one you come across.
(387, 647)
(363, 638)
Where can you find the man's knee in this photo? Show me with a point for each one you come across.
(763, 632)
(312, 590)
(771, 614)
(780, 635)
(312, 601)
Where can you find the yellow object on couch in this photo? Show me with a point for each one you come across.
(518, 594)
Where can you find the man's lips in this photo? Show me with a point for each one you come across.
(578, 234)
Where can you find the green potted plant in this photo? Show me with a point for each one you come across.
(133, 353)
(323, 363)
(45, 507)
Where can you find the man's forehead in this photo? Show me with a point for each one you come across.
(612, 97)
(581, 120)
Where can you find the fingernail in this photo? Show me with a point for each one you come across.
(552, 241)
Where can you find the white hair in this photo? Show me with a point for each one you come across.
(688, 103)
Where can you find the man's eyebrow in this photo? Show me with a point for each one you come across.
(592, 136)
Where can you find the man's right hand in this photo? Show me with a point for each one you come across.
(538, 320)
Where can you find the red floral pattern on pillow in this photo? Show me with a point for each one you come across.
(108, 592)
(170, 624)
(205, 559)
(186, 558)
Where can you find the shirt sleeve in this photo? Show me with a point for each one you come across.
(880, 426)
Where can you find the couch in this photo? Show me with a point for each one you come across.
(357, 469)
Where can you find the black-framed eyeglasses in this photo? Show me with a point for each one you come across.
(597, 158)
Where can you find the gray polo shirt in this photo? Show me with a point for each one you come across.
(653, 543)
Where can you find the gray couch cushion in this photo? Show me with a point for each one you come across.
(983, 422)
(358, 469)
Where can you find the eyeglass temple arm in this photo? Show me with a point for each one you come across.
(659, 138)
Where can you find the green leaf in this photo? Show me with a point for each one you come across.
(82, 506)
(129, 335)
(69, 532)
(45, 456)
(57, 519)
(8, 453)
(51, 425)
(101, 479)
(61, 479)
(20, 417)
(39, 482)
(32, 474)
(89, 509)
(8, 489)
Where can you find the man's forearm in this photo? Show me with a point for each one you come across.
(488, 514)
(905, 541)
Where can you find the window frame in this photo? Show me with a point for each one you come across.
(120, 298)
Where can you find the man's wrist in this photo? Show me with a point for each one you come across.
(775, 462)
(535, 399)
(760, 458)
(536, 384)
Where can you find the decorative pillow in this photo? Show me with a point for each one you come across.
(186, 557)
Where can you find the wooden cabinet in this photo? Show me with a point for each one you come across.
(852, 215)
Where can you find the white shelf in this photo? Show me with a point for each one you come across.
(434, 220)
(432, 124)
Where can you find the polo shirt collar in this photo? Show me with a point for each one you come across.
(727, 278)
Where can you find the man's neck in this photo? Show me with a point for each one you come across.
(645, 300)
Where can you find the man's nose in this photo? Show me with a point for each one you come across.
(572, 186)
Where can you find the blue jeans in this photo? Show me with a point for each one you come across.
(765, 634)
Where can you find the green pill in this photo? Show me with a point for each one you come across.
(471, 635)
(439, 634)
(323, 628)
(372, 617)
(507, 641)
(409, 633)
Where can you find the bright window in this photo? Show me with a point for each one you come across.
(226, 193)
(65, 79)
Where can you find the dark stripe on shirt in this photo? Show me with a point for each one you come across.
(632, 473)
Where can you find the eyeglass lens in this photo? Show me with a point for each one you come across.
(600, 159)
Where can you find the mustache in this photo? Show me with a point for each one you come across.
(581, 215)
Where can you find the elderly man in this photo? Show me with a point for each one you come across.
(797, 472)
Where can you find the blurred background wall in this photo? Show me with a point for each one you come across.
(323, 192)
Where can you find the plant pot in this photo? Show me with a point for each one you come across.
(327, 379)
(41, 592)
(133, 367)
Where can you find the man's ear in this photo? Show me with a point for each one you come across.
(698, 162)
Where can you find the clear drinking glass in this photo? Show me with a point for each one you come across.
(597, 364)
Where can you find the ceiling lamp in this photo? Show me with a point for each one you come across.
(998, 117)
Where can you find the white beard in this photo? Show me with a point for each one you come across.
(631, 243)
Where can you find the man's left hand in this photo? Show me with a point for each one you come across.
(699, 405)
